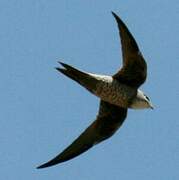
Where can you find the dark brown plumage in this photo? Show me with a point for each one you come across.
(109, 119)
(134, 70)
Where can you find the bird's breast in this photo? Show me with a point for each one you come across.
(114, 92)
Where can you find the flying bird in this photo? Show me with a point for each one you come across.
(117, 93)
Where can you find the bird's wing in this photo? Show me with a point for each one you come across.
(134, 70)
(109, 119)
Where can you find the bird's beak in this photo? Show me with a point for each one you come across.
(151, 106)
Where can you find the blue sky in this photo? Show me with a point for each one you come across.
(42, 111)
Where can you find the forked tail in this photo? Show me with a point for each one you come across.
(83, 78)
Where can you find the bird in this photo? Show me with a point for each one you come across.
(117, 93)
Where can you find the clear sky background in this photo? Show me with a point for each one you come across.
(42, 111)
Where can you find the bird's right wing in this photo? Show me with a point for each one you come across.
(134, 70)
(109, 119)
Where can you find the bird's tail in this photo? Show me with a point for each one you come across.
(83, 78)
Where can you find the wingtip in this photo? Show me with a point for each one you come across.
(113, 13)
(48, 164)
(118, 19)
(39, 167)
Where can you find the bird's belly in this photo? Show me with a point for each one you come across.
(115, 93)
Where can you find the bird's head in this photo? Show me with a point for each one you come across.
(141, 101)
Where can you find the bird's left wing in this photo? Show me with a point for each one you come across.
(109, 119)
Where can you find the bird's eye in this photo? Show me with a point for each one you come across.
(147, 97)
